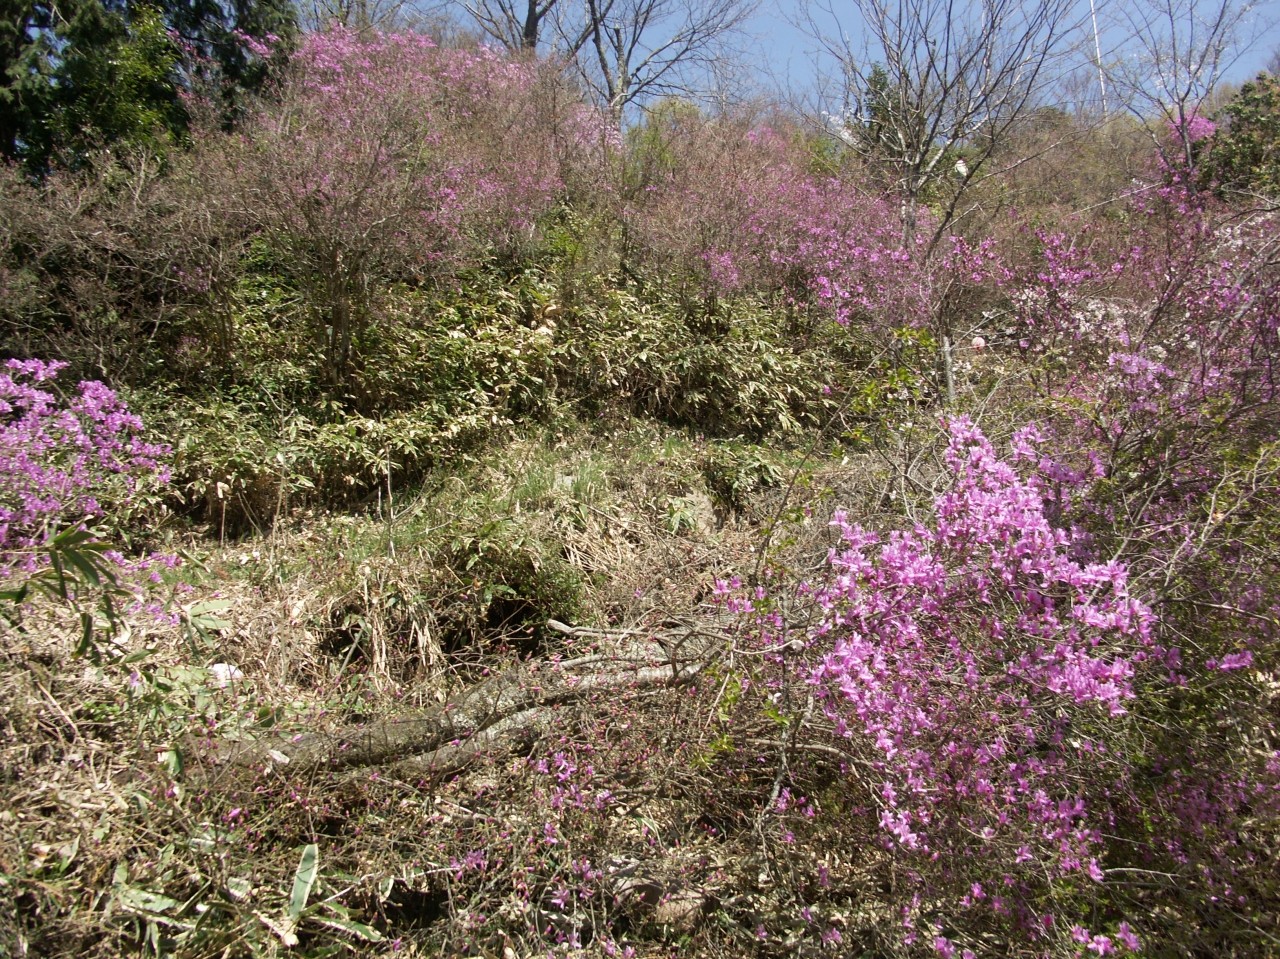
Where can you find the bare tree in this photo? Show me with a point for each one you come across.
(366, 15)
(935, 91)
(935, 76)
(1177, 54)
(622, 50)
(516, 24)
(630, 50)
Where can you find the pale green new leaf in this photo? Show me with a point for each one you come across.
(304, 879)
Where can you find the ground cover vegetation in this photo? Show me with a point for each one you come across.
(435, 522)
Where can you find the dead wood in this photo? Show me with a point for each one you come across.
(497, 714)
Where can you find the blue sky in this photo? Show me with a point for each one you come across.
(783, 51)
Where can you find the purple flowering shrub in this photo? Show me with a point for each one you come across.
(390, 159)
(734, 208)
(72, 471)
(1019, 728)
(1156, 368)
(381, 166)
(446, 144)
(972, 667)
(1156, 373)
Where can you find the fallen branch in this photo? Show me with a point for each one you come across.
(498, 713)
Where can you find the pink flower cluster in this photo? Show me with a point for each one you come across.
(961, 650)
(974, 669)
(389, 147)
(63, 462)
(744, 204)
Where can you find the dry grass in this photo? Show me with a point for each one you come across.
(117, 835)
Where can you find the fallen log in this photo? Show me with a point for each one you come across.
(494, 715)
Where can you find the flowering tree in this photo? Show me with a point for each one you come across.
(937, 75)
(390, 158)
(733, 204)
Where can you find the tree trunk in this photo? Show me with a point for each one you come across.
(532, 26)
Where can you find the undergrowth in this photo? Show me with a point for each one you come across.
(122, 834)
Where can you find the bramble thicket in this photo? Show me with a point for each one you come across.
(436, 522)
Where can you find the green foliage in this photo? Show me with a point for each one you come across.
(1244, 153)
(735, 471)
(78, 576)
(242, 461)
(440, 375)
(84, 75)
(115, 83)
(875, 135)
(513, 582)
(24, 85)
(223, 39)
(443, 372)
(725, 369)
(652, 154)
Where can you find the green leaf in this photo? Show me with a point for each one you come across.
(143, 900)
(304, 879)
(358, 929)
(86, 637)
(201, 615)
(70, 538)
(209, 606)
(59, 588)
(173, 762)
(83, 565)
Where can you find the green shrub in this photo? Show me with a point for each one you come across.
(742, 374)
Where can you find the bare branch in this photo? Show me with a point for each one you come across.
(493, 715)
(1179, 51)
(641, 49)
(516, 24)
(367, 15)
(939, 76)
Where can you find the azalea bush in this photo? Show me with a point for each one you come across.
(74, 472)
(390, 159)
(1051, 699)
(1056, 693)
(1162, 446)
(1017, 727)
(976, 671)
(734, 207)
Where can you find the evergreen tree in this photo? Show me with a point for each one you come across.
(1244, 153)
(24, 81)
(224, 42)
(86, 74)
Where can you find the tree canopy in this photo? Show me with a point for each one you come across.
(87, 74)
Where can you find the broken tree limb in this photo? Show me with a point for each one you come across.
(497, 713)
(514, 733)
